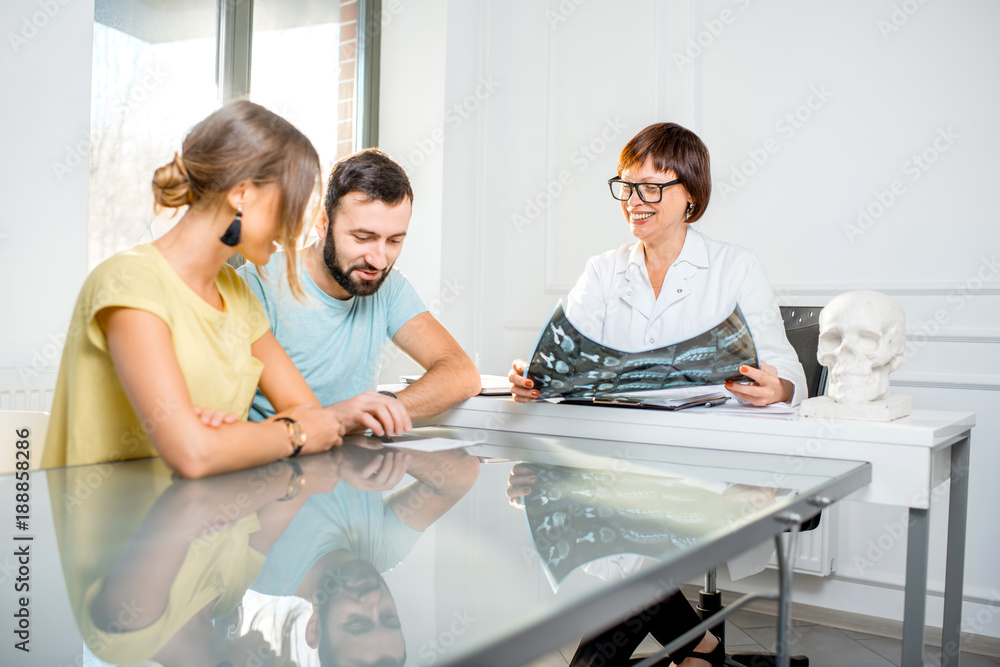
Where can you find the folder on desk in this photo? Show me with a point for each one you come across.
(651, 403)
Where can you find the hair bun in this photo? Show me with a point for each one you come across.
(171, 185)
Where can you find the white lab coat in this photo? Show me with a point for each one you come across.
(613, 301)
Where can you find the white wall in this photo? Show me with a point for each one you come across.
(45, 58)
(810, 110)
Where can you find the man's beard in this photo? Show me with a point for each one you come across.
(353, 286)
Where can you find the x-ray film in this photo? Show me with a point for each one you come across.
(568, 364)
(576, 516)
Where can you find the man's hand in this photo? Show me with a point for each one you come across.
(522, 389)
(767, 387)
(384, 415)
(519, 485)
(369, 470)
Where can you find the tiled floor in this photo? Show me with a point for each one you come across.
(747, 631)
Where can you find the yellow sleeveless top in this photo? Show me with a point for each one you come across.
(92, 420)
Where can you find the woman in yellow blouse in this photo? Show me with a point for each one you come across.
(166, 339)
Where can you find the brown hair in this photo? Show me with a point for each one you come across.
(677, 149)
(243, 141)
(370, 172)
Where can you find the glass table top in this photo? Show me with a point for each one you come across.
(489, 553)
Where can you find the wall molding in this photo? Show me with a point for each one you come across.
(946, 381)
(968, 386)
(917, 334)
(892, 289)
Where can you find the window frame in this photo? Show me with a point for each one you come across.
(234, 37)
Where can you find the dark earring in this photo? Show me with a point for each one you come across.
(232, 236)
(689, 211)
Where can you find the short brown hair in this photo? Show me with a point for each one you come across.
(243, 141)
(677, 149)
(370, 172)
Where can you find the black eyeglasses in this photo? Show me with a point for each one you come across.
(650, 193)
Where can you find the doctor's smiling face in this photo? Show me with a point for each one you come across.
(662, 153)
(655, 221)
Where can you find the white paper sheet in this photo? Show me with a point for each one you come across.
(774, 411)
(431, 444)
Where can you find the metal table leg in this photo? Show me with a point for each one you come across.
(786, 556)
(915, 597)
(951, 631)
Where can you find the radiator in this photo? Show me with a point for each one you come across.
(27, 389)
(815, 551)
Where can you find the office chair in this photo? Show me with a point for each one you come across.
(802, 330)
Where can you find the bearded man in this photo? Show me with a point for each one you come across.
(357, 302)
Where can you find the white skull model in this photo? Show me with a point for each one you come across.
(861, 340)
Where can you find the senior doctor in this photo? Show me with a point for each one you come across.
(674, 282)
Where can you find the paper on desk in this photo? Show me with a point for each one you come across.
(492, 385)
(430, 444)
(774, 411)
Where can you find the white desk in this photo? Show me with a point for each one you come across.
(909, 458)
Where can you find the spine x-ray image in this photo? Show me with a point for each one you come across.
(568, 364)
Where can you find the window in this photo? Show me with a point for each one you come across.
(160, 66)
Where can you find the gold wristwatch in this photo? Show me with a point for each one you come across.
(295, 435)
(295, 482)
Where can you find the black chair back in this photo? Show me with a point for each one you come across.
(802, 330)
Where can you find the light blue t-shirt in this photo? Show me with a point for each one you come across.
(361, 522)
(336, 345)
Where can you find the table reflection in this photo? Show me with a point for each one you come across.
(280, 565)
(583, 517)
